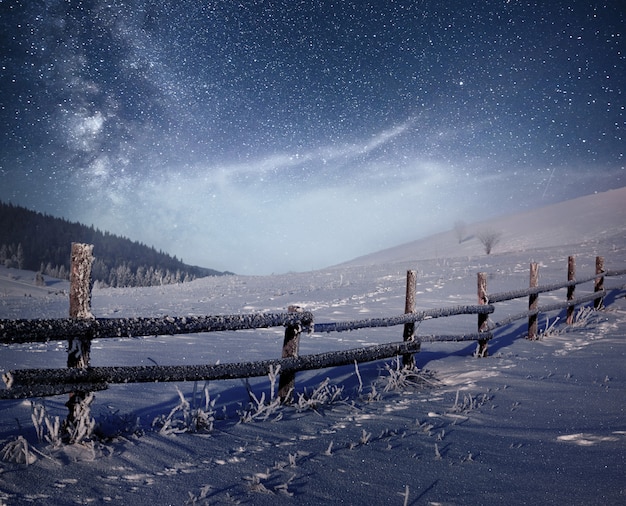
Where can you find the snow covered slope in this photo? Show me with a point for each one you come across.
(585, 221)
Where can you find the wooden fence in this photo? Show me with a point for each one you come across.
(81, 328)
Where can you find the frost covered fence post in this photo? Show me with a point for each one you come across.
(533, 301)
(482, 318)
(79, 348)
(571, 277)
(409, 307)
(599, 283)
(80, 301)
(287, 381)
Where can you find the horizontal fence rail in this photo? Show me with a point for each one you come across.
(403, 319)
(517, 294)
(61, 329)
(38, 382)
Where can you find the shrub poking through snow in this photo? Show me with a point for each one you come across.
(186, 417)
(18, 451)
(399, 377)
(258, 409)
(324, 394)
(469, 402)
(583, 317)
(47, 428)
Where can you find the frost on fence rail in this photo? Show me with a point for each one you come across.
(517, 294)
(549, 307)
(402, 319)
(44, 382)
(38, 330)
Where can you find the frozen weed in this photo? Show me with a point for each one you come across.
(437, 453)
(551, 330)
(18, 451)
(468, 403)
(186, 417)
(373, 395)
(583, 317)
(258, 409)
(329, 450)
(47, 428)
(255, 484)
(358, 375)
(324, 394)
(398, 377)
(202, 496)
(283, 488)
(273, 377)
(405, 494)
(365, 437)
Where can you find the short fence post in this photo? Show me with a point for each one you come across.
(571, 276)
(599, 284)
(409, 307)
(79, 349)
(482, 318)
(533, 301)
(287, 381)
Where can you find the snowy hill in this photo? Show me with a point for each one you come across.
(582, 221)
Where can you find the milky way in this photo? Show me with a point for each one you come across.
(267, 136)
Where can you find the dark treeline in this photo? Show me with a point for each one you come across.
(42, 243)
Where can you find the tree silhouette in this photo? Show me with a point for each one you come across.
(489, 239)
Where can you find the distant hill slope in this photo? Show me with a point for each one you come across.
(37, 242)
(587, 219)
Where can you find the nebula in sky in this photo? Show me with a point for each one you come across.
(269, 136)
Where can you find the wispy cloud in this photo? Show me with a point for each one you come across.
(277, 163)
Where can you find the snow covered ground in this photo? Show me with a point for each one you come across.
(539, 422)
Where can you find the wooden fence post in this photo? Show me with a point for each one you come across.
(482, 318)
(80, 301)
(533, 301)
(291, 343)
(79, 349)
(571, 276)
(409, 307)
(599, 283)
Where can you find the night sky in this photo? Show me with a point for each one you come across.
(271, 136)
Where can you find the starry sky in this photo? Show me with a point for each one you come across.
(287, 135)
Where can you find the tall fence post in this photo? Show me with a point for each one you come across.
(533, 301)
(79, 349)
(482, 318)
(409, 307)
(599, 283)
(291, 343)
(80, 301)
(571, 276)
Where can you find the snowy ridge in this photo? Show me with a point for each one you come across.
(581, 221)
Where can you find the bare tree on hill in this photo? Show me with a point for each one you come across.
(489, 239)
